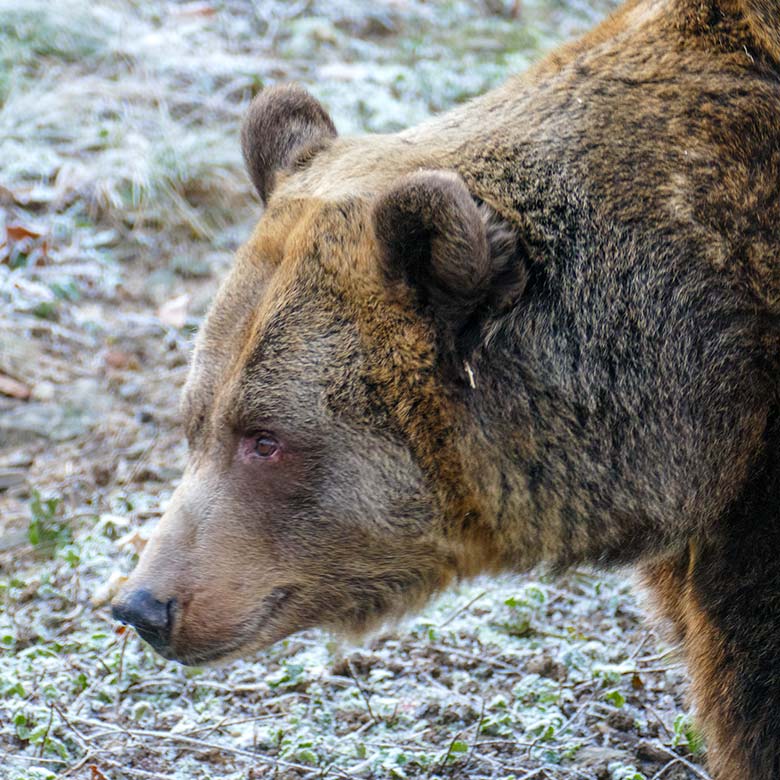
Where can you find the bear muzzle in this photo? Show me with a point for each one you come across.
(152, 619)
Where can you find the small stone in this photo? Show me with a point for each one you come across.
(597, 759)
(174, 311)
(13, 388)
(651, 751)
(621, 720)
(145, 415)
(102, 474)
(19, 460)
(545, 666)
(11, 479)
(44, 391)
(130, 390)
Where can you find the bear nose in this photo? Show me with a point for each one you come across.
(152, 619)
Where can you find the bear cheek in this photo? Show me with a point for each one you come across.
(217, 618)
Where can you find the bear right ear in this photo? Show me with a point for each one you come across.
(459, 261)
(282, 125)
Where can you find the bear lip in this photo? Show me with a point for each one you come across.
(269, 608)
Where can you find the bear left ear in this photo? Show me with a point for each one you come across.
(283, 124)
(456, 256)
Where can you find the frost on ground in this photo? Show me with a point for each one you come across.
(121, 200)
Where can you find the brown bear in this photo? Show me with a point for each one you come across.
(543, 327)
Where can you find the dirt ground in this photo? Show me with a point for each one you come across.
(122, 198)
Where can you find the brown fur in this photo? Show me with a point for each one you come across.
(542, 327)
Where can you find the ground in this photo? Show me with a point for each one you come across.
(122, 198)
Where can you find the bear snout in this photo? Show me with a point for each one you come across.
(152, 619)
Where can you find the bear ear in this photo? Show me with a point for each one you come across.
(457, 256)
(283, 124)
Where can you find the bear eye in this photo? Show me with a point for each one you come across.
(266, 446)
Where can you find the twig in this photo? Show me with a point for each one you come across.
(504, 742)
(46, 733)
(131, 770)
(687, 764)
(75, 768)
(636, 650)
(533, 773)
(464, 654)
(574, 717)
(36, 759)
(655, 714)
(462, 609)
(224, 723)
(83, 739)
(443, 763)
(362, 692)
(192, 741)
(120, 666)
(662, 771)
(476, 734)
(668, 655)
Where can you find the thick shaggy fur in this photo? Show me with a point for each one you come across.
(542, 327)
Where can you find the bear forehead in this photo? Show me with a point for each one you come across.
(360, 167)
(310, 249)
(269, 356)
(310, 269)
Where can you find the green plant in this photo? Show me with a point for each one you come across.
(46, 530)
(685, 733)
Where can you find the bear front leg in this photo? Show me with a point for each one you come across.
(732, 640)
(722, 597)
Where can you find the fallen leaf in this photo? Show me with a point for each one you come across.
(120, 360)
(196, 9)
(20, 232)
(14, 388)
(120, 521)
(174, 312)
(134, 540)
(96, 774)
(106, 592)
(41, 257)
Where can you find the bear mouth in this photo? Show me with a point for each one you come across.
(264, 621)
